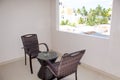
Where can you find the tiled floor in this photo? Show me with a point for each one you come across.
(18, 71)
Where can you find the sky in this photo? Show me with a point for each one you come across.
(87, 3)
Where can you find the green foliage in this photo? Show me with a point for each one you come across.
(104, 20)
(95, 16)
(98, 10)
(72, 24)
(91, 20)
(64, 22)
(81, 20)
(83, 11)
(78, 11)
(67, 22)
(106, 13)
(98, 20)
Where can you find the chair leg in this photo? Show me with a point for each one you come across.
(25, 59)
(30, 60)
(76, 75)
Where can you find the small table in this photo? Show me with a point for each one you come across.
(44, 73)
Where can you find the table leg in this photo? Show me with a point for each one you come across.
(45, 74)
(41, 73)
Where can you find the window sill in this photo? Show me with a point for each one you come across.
(92, 34)
(87, 31)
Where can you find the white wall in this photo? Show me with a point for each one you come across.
(19, 17)
(100, 53)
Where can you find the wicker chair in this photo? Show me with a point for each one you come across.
(31, 47)
(67, 65)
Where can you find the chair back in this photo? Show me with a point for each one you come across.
(69, 63)
(30, 43)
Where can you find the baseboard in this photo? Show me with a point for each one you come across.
(11, 60)
(103, 73)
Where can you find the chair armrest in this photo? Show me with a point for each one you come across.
(45, 46)
(51, 68)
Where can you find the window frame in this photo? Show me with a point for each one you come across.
(58, 24)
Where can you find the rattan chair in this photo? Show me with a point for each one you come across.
(67, 65)
(31, 47)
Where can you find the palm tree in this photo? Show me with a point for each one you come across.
(84, 11)
(98, 10)
(78, 11)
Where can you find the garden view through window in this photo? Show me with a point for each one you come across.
(92, 17)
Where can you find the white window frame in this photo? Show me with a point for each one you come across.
(58, 28)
